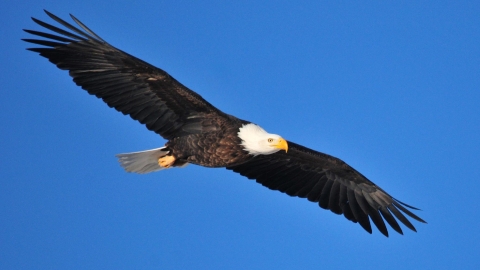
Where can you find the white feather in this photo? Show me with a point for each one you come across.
(143, 161)
(254, 139)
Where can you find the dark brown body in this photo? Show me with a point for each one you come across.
(219, 147)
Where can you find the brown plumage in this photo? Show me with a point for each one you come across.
(199, 133)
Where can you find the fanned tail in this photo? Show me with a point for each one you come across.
(143, 161)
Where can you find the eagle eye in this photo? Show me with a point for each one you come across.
(270, 140)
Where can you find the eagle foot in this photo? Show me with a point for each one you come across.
(166, 161)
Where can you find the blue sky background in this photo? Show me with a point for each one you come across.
(391, 88)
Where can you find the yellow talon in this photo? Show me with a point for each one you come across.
(166, 161)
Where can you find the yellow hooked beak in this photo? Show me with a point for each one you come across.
(282, 145)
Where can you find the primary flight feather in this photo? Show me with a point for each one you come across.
(198, 133)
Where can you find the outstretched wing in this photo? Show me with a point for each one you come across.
(329, 182)
(126, 83)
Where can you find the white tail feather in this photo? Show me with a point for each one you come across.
(143, 161)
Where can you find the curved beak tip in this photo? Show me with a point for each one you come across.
(284, 145)
(281, 145)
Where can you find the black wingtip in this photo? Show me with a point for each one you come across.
(48, 13)
(37, 21)
(86, 28)
(407, 205)
(406, 211)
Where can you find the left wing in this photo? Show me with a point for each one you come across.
(331, 183)
(126, 83)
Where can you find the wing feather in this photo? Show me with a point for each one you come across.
(314, 194)
(357, 211)
(324, 196)
(334, 200)
(299, 181)
(307, 186)
(390, 219)
(49, 36)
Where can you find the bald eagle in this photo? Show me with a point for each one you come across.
(198, 133)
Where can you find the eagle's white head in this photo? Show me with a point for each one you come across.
(259, 142)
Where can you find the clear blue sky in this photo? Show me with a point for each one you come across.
(393, 89)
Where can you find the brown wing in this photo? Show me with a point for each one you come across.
(329, 182)
(126, 83)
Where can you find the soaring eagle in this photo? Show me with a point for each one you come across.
(198, 133)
